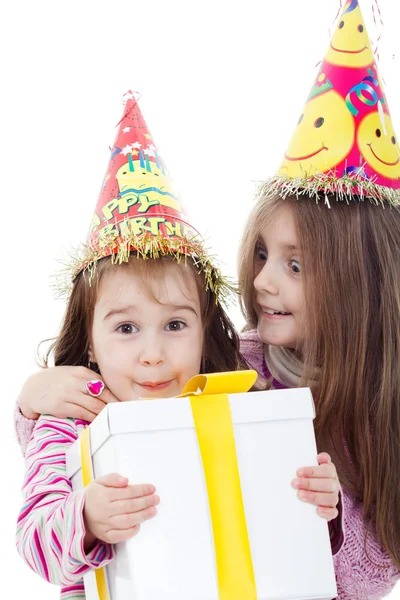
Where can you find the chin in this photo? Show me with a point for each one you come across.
(275, 338)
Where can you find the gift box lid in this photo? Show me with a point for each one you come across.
(176, 413)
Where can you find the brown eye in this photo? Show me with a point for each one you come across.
(260, 253)
(341, 24)
(393, 139)
(360, 28)
(378, 133)
(319, 122)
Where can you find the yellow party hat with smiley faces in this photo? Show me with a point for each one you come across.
(344, 142)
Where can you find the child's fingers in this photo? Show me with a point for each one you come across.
(114, 536)
(85, 408)
(330, 486)
(327, 513)
(323, 458)
(131, 520)
(112, 480)
(132, 491)
(325, 471)
(318, 498)
(125, 507)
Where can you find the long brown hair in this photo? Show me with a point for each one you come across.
(350, 255)
(221, 341)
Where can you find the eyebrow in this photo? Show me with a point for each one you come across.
(290, 247)
(123, 310)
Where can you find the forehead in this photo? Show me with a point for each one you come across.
(280, 229)
(168, 285)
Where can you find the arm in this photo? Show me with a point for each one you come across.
(362, 567)
(50, 528)
(58, 391)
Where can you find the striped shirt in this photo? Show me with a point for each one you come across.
(50, 528)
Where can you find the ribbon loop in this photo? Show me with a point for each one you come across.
(220, 383)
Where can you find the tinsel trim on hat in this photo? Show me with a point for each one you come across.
(322, 186)
(145, 246)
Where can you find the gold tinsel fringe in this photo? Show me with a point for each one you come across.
(319, 186)
(146, 246)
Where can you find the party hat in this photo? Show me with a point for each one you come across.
(138, 209)
(344, 142)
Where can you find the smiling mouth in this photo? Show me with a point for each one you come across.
(389, 164)
(307, 155)
(348, 51)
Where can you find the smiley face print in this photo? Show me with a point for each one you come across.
(378, 144)
(323, 137)
(350, 45)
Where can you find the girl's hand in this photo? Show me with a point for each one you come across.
(114, 510)
(319, 486)
(61, 392)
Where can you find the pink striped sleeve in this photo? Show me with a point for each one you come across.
(23, 428)
(50, 528)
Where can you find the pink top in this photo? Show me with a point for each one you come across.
(50, 528)
(363, 569)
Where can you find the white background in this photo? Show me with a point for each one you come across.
(222, 86)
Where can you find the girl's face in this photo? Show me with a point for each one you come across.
(147, 336)
(278, 284)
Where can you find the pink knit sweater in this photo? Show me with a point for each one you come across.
(363, 569)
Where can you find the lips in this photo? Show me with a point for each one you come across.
(306, 156)
(389, 164)
(273, 313)
(155, 385)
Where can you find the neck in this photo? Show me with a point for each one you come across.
(284, 364)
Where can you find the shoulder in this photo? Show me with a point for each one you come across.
(251, 348)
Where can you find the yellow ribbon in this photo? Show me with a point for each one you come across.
(87, 477)
(214, 429)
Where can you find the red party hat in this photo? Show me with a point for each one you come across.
(344, 142)
(138, 209)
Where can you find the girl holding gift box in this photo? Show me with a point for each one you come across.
(320, 280)
(144, 311)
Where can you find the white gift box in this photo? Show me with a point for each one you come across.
(211, 540)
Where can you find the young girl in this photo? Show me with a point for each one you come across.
(320, 293)
(145, 313)
(320, 280)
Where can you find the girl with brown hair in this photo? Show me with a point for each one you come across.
(320, 288)
(144, 311)
(321, 296)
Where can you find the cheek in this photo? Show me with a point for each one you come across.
(299, 307)
(191, 351)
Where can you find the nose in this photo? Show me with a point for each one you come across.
(152, 353)
(267, 281)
